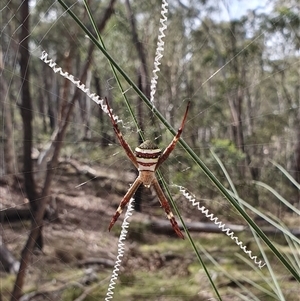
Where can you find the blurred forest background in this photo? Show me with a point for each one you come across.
(242, 76)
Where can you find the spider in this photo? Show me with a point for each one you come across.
(147, 158)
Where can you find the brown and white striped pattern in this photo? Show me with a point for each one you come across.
(147, 155)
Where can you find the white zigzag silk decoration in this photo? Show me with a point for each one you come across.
(160, 48)
(221, 225)
(121, 249)
(99, 101)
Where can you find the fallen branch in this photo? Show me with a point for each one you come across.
(15, 214)
(96, 261)
(163, 227)
(99, 173)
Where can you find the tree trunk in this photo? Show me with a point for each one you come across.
(27, 116)
(66, 112)
(103, 129)
(85, 110)
(237, 97)
(9, 155)
(26, 113)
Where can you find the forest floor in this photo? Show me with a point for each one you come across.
(79, 253)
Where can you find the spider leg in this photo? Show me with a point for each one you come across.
(171, 146)
(165, 204)
(133, 188)
(122, 141)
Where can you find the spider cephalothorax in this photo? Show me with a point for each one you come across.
(147, 158)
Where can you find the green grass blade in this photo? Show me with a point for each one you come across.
(227, 274)
(286, 174)
(279, 197)
(269, 220)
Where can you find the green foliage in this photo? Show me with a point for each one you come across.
(227, 151)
